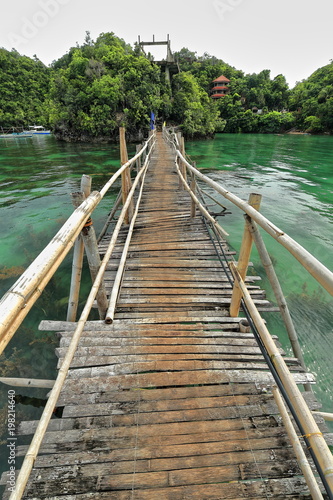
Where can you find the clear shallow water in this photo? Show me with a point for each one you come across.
(293, 173)
(36, 178)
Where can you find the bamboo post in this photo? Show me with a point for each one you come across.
(299, 452)
(77, 265)
(182, 150)
(310, 427)
(138, 161)
(244, 258)
(280, 298)
(126, 183)
(179, 161)
(193, 189)
(90, 243)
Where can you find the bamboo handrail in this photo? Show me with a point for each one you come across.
(320, 272)
(326, 416)
(119, 276)
(32, 453)
(299, 452)
(16, 303)
(311, 429)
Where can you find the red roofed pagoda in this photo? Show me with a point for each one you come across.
(220, 87)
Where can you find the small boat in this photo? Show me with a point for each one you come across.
(15, 135)
(38, 130)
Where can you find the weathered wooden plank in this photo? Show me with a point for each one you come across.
(169, 379)
(235, 402)
(173, 393)
(221, 339)
(161, 300)
(163, 349)
(280, 489)
(123, 438)
(47, 325)
(73, 481)
(160, 455)
(186, 291)
(235, 361)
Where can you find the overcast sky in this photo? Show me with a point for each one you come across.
(292, 37)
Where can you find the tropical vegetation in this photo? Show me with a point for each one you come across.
(99, 85)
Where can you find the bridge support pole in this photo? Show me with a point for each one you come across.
(193, 189)
(244, 258)
(182, 167)
(77, 265)
(126, 182)
(88, 236)
(280, 298)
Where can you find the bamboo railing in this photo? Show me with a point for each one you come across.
(311, 432)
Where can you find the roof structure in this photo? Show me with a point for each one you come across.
(221, 79)
(221, 87)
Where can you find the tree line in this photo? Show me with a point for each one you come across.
(100, 85)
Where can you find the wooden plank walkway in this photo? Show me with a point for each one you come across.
(171, 401)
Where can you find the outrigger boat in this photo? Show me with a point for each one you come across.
(14, 133)
(38, 130)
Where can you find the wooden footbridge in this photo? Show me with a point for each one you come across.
(172, 394)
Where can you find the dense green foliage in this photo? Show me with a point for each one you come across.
(312, 101)
(24, 84)
(98, 86)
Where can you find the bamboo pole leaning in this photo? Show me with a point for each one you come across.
(77, 265)
(126, 182)
(88, 236)
(320, 272)
(310, 427)
(276, 287)
(244, 258)
(32, 453)
(299, 452)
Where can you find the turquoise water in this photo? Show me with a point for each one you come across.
(37, 176)
(293, 173)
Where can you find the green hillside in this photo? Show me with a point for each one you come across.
(99, 85)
